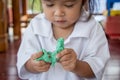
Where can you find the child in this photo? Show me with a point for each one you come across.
(85, 45)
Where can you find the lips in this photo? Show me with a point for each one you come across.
(61, 21)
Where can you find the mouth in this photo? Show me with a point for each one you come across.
(60, 21)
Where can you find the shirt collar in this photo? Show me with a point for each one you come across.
(41, 26)
(83, 27)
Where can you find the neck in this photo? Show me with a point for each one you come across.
(62, 32)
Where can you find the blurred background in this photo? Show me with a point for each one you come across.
(15, 16)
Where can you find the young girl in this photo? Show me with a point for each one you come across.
(85, 45)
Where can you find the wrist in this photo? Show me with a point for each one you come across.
(75, 66)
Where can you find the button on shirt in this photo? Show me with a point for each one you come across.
(87, 39)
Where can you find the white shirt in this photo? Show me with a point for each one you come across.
(87, 39)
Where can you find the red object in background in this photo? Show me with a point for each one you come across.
(113, 27)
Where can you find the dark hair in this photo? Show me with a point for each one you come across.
(90, 6)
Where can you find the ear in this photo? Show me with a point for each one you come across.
(84, 2)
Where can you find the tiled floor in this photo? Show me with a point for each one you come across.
(8, 61)
(112, 71)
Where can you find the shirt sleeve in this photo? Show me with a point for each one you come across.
(97, 52)
(28, 46)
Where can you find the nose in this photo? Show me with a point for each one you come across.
(59, 12)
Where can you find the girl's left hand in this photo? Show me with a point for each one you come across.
(68, 59)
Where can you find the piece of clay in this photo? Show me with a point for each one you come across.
(51, 56)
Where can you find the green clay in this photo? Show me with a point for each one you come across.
(45, 56)
(51, 56)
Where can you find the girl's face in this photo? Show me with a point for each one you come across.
(62, 13)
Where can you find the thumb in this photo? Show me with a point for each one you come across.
(37, 55)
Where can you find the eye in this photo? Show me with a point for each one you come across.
(69, 5)
(49, 5)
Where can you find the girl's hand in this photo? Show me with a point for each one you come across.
(37, 66)
(68, 59)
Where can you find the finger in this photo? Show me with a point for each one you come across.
(42, 63)
(65, 58)
(68, 65)
(36, 55)
(65, 63)
(64, 52)
(43, 68)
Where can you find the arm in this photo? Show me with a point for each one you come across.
(83, 69)
(69, 61)
(29, 46)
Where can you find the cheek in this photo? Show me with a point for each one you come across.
(73, 14)
(48, 15)
(74, 18)
(47, 12)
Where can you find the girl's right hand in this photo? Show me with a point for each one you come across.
(32, 65)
